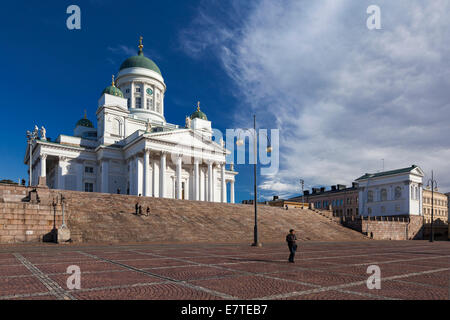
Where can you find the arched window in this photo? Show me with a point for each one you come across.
(398, 193)
(370, 196)
(383, 195)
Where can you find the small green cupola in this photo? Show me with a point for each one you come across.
(113, 90)
(85, 122)
(199, 114)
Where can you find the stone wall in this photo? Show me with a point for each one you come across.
(24, 220)
(95, 217)
(386, 228)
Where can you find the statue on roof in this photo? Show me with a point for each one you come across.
(188, 122)
(43, 133)
(148, 126)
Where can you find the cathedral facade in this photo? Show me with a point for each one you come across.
(134, 150)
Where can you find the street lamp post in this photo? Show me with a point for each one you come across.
(62, 208)
(31, 137)
(302, 182)
(240, 142)
(433, 184)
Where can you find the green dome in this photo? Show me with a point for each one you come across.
(85, 123)
(113, 90)
(140, 61)
(199, 114)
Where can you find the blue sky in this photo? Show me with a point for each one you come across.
(51, 74)
(344, 97)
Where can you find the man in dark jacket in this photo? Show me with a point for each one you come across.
(291, 239)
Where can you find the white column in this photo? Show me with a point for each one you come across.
(201, 185)
(130, 176)
(210, 182)
(162, 176)
(147, 173)
(196, 181)
(224, 184)
(132, 96)
(105, 175)
(155, 180)
(178, 177)
(139, 176)
(43, 165)
(80, 173)
(232, 191)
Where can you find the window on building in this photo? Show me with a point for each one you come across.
(370, 196)
(369, 210)
(89, 169)
(398, 193)
(127, 91)
(138, 103)
(383, 195)
(149, 103)
(89, 187)
(138, 89)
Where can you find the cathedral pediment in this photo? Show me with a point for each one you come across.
(188, 138)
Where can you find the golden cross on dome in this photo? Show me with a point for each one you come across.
(113, 84)
(198, 106)
(140, 43)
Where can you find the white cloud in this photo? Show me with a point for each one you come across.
(344, 97)
(123, 50)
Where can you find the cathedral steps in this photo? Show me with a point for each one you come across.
(94, 217)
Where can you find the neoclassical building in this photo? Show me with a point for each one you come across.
(392, 193)
(134, 150)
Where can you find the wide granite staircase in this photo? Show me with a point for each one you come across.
(94, 217)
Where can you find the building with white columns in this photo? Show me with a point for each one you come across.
(391, 193)
(134, 150)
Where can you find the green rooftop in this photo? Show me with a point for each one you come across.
(387, 173)
(199, 114)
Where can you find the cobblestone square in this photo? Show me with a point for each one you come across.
(323, 271)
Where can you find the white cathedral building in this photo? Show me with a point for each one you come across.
(134, 150)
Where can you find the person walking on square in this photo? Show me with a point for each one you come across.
(291, 239)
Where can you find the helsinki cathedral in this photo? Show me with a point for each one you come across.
(134, 150)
